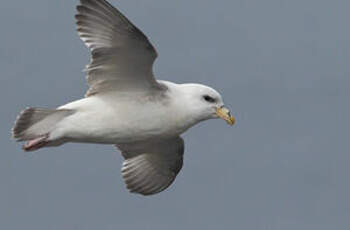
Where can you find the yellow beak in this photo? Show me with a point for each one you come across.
(224, 114)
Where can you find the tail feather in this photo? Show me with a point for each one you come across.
(34, 122)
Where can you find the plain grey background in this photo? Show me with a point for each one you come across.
(283, 68)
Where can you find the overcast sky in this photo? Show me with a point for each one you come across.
(283, 68)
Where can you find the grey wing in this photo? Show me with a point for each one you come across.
(122, 57)
(151, 167)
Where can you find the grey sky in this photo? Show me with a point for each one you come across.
(283, 68)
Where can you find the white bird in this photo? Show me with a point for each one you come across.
(125, 105)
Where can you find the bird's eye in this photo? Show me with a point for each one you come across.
(209, 99)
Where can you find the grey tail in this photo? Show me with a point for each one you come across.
(32, 123)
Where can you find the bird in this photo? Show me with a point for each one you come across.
(125, 105)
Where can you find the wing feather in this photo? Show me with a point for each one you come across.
(121, 55)
(151, 167)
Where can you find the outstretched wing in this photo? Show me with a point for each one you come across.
(122, 57)
(150, 167)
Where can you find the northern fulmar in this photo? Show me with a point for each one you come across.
(124, 105)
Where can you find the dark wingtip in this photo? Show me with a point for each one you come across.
(22, 123)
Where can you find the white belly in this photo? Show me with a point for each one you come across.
(111, 122)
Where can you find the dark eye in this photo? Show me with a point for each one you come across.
(209, 99)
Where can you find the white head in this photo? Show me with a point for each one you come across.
(202, 102)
